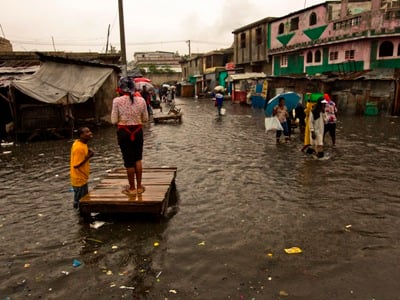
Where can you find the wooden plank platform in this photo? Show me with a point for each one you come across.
(107, 196)
(165, 117)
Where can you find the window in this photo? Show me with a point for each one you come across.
(309, 57)
(294, 24)
(259, 39)
(349, 54)
(333, 55)
(313, 19)
(281, 28)
(242, 40)
(318, 56)
(284, 61)
(386, 49)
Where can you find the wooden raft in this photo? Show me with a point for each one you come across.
(159, 118)
(107, 196)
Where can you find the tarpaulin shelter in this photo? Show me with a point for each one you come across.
(62, 93)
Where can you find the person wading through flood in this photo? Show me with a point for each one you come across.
(79, 164)
(317, 122)
(281, 112)
(129, 112)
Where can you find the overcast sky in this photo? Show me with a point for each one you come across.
(150, 25)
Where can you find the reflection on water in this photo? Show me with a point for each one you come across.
(240, 198)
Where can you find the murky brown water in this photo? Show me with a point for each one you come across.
(241, 201)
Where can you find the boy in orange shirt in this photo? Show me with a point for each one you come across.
(79, 164)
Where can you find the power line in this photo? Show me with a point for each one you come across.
(88, 43)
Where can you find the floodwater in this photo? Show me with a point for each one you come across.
(240, 201)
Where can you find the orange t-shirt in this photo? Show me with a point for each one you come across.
(79, 176)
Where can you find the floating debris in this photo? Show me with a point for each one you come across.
(94, 240)
(76, 263)
(97, 224)
(156, 244)
(293, 250)
(203, 243)
(283, 293)
(127, 287)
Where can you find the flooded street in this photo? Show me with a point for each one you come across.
(241, 200)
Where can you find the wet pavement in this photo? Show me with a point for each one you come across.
(241, 200)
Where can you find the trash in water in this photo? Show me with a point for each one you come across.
(203, 243)
(156, 244)
(158, 274)
(5, 144)
(172, 291)
(127, 287)
(66, 273)
(283, 293)
(7, 152)
(76, 263)
(293, 250)
(109, 273)
(114, 247)
(27, 265)
(94, 240)
(348, 226)
(97, 224)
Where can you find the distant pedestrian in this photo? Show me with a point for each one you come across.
(317, 122)
(147, 97)
(300, 114)
(219, 101)
(281, 112)
(331, 111)
(79, 164)
(307, 134)
(129, 112)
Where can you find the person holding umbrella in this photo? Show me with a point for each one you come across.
(280, 111)
(219, 98)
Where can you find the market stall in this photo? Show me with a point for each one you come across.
(244, 85)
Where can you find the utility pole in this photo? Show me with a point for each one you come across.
(1, 27)
(122, 38)
(188, 41)
(54, 46)
(108, 37)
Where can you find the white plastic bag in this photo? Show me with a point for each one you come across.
(272, 123)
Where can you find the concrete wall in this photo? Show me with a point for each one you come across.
(158, 79)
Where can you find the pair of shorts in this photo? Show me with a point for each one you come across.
(79, 192)
(132, 151)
